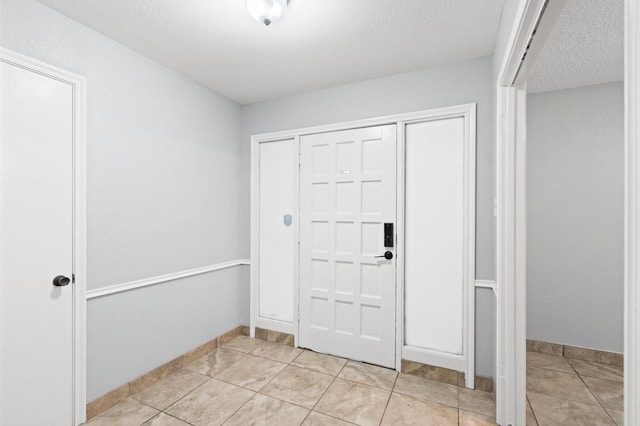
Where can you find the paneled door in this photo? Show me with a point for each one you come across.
(36, 249)
(347, 217)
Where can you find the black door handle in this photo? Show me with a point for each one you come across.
(387, 255)
(61, 281)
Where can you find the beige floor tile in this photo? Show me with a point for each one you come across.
(128, 412)
(553, 411)
(354, 402)
(162, 394)
(550, 362)
(477, 401)
(210, 404)
(251, 372)
(244, 344)
(609, 393)
(298, 386)
(430, 390)
(369, 374)
(617, 415)
(321, 363)
(406, 410)
(317, 419)
(531, 419)
(277, 352)
(467, 418)
(264, 410)
(598, 370)
(215, 362)
(163, 419)
(564, 386)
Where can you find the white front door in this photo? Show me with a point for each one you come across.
(347, 291)
(36, 245)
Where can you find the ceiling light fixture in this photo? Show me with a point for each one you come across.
(267, 11)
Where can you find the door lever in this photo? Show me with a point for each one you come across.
(387, 255)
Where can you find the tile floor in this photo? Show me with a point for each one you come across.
(565, 391)
(254, 382)
(250, 382)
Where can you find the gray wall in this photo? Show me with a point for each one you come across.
(575, 217)
(163, 165)
(452, 84)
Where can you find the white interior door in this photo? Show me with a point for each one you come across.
(347, 194)
(36, 245)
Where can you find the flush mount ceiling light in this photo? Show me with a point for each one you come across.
(267, 11)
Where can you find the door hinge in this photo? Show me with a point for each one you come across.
(73, 278)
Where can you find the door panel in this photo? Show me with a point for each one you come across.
(434, 236)
(347, 193)
(36, 234)
(278, 167)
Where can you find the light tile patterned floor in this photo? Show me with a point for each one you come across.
(565, 391)
(251, 382)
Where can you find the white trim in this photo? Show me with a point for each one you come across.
(426, 356)
(469, 256)
(254, 271)
(632, 216)
(400, 232)
(527, 18)
(511, 204)
(296, 249)
(544, 16)
(79, 85)
(486, 284)
(466, 111)
(119, 288)
(511, 270)
(424, 115)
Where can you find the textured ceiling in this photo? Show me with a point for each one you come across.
(319, 43)
(585, 47)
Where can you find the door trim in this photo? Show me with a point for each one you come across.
(79, 86)
(467, 111)
(632, 211)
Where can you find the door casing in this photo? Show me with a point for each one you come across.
(79, 85)
(468, 112)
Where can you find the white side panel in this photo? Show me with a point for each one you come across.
(434, 235)
(36, 244)
(278, 167)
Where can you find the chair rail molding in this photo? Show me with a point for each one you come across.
(131, 285)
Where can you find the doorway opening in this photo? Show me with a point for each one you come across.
(529, 177)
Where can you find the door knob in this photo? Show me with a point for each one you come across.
(61, 281)
(387, 255)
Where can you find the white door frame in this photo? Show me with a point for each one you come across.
(78, 287)
(511, 203)
(632, 215)
(467, 111)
